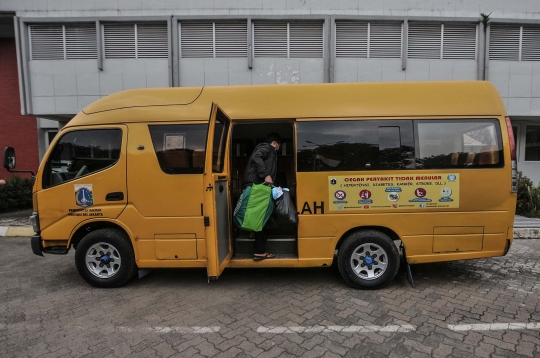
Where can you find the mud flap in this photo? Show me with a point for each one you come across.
(409, 272)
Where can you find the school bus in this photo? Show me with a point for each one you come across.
(148, 178)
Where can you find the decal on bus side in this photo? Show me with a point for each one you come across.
(307, 209)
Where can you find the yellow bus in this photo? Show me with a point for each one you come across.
(149, 178)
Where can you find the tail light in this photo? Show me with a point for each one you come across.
(512, 155)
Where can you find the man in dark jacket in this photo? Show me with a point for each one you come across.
(262, 168)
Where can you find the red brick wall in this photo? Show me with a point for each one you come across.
(16, 130)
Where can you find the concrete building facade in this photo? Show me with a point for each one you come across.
(73, 52)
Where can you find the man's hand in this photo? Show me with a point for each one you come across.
(268, 180)
(2, 182)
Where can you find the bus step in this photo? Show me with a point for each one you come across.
(279, 245)
(250, 256)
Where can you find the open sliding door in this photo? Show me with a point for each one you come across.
(217, 214)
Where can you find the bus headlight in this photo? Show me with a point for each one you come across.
(34, 221)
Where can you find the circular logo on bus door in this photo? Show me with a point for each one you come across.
(365, 194)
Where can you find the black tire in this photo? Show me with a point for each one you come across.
(107, 241)
(360, 243)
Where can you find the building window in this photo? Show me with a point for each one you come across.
(532, 144)
(148, 40)
(514, 43)
(449, 41)
(63, 42)
(49, 137)
(213, 39)
(361, 39)
(281, 39)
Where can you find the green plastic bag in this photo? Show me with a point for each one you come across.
(254, 208)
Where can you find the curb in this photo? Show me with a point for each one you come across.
(14, 231)
(527, 233)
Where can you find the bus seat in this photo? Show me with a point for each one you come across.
(465, 159)
(198, 158)
(175, 159)
(452, 159)
(489, 155)
(470, 158)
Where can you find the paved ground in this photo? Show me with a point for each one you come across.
(485, 308)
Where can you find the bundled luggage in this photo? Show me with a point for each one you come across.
(254, 208)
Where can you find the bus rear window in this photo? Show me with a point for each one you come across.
(458, 144)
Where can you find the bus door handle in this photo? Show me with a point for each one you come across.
(116, 196)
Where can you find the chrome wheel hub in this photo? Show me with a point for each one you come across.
(103, 260)
(369, 261)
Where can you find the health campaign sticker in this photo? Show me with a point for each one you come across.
(84, 196)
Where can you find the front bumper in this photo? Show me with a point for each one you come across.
(35, 242)
(38, 249)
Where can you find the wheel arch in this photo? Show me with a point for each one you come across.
(385, 230)
(88, 226)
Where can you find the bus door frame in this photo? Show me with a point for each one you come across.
(217, 200)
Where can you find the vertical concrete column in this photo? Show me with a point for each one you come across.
(169, 54)
(99, 39)
(486, 53)
(404, 44)
(20, 73)
(24, 51)
(250, 43)
(175, 31)
(328, 53)
(481, 58)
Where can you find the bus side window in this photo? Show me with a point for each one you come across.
(180, 148)
(458, 144)
(358, 145)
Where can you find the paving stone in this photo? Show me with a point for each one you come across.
(46, 309)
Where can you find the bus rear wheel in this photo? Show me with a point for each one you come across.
(105, 258)
(368, 259)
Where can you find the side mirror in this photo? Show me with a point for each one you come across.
(9, 158)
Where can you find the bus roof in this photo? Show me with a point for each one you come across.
(344, 100)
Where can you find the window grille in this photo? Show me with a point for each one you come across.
(61, 42)
(231, 39)
(459, 41)
(144, 40)
(351, 39)
(152, 41)
(452, 41)
(424, 41)
(270, 39)
(514, 42)
(280, 39)
(213, 39)
(197, 39)
(530, 43)
(385, 40)
(504, 42)
(306, 39)
(363, 39)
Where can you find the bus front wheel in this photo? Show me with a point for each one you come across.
(368, 259)
(105, 258)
